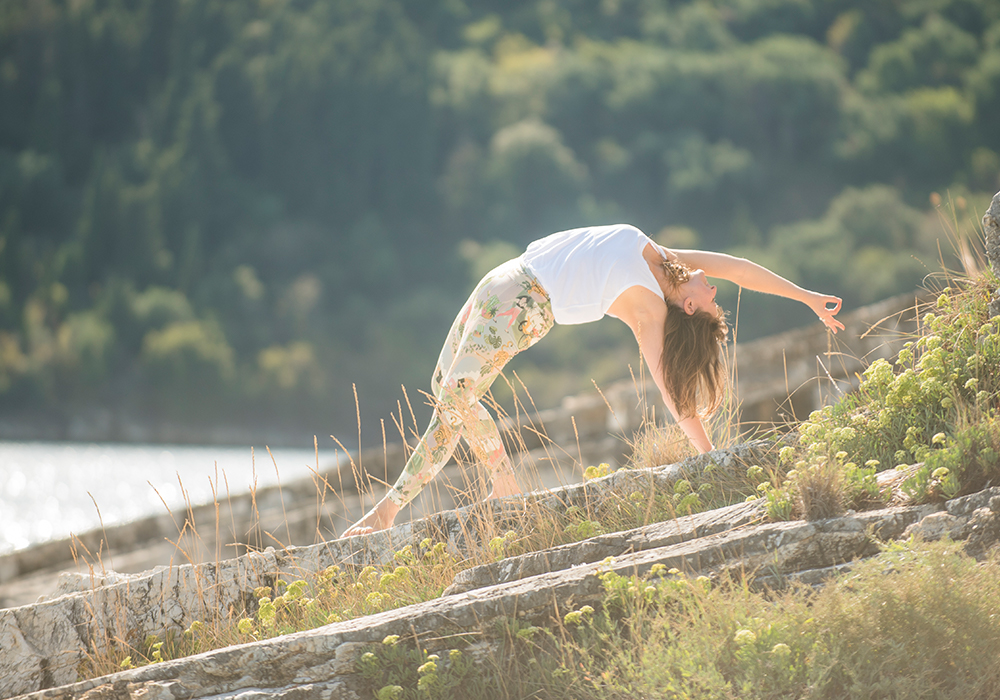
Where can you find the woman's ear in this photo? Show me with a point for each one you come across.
(689, 306)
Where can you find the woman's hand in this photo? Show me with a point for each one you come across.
(378, 518)
(826, 307)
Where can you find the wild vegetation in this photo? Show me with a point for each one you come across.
(232, 211)
(932, 412)
(929, 631)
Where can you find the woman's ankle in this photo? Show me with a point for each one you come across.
(386, 511)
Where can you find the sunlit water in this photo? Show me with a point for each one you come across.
(49, 490)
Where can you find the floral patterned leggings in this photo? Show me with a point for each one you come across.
(507, 312)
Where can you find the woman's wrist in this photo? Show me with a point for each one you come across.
(695, 431)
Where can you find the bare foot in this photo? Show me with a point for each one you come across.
(378, 518)
(504, 484)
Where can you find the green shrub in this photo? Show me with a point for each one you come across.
(930, 630)
(965, 463)
(908, 412)
(395, 671)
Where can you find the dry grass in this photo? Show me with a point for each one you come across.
(656, 445)
(417, 573)
(820, 491)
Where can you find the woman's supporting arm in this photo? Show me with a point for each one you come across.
(644, 313)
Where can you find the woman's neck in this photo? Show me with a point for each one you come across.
(655, 256)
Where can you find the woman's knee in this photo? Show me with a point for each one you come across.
(459, 400)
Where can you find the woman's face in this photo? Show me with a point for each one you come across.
(698, 294)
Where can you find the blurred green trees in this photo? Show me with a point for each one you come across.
(233, 210)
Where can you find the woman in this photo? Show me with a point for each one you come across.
(572, 277)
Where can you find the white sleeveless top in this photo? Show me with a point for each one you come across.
(584, 270)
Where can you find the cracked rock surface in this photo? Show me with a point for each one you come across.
(42, 643)
(322, 661)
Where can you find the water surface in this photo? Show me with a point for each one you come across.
(51, 489)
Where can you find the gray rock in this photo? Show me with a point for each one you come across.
(983, 529)
(966, 505)
(815, 578)
(892, 480)
(324, 659)
(937, 526)
(598, 548)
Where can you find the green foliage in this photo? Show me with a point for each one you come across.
(297, 181)
(929, 630)
(584, 529)
(965, 463)
(936, 408)
(192, 351)
(936, 53)
(500, 545)
(396, 672)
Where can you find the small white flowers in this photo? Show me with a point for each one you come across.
(781, 650)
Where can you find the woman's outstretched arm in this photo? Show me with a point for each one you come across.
(750, 275)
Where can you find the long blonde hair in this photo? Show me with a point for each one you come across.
(693, 371)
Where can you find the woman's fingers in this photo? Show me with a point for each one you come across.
(827, 306)
(358, 530)
(831, 323)
(825, 301)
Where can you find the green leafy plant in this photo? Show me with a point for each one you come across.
(911, 411)
(415, 574)
(398, 671)
(963, 464)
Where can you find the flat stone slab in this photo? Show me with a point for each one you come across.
(321, 662)
(654, 536)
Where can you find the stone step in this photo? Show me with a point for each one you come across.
(595, 549)
(322, 662)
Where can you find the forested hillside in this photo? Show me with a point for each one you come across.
(232, 210)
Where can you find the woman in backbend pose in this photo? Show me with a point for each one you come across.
(579, 276)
